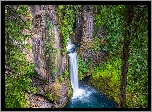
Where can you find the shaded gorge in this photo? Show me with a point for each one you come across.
(83, 95)
(88, 97)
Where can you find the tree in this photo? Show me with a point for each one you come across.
(125, 56)
(127, 39)
(137, 77)
(135, 34)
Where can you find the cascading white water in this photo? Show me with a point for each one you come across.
(73, 66)
(84, 96)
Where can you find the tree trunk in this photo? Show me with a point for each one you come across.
(8, 51)
(125, 56)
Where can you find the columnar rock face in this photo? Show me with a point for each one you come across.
(40, 14)
(87, 28)
(88, 40)
(76, 39)
(88, 25)
(45, 79)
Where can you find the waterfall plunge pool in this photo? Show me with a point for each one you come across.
(83, 95)
(87, 97)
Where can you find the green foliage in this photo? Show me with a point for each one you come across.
(96, 46)
(66, 74)
(101, 18)
(106, 78)
(138, 61)
(17, 80)
(70, 91)
(82, 68)
(111, 17)
(53, 93)
(33, 89)
(15, 85)
(114, 19)
(49, 96)
(61, 78)
(89, 63)
(66, 19)
(50, 51)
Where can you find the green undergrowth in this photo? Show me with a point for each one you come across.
(96, 46)
(18, 70)
(51, 51)
(53, 94)
(63, 76)
(15, 87)
(82, 68)
(137, 96)
(66, 18)
(106, 78)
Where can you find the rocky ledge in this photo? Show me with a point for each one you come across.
(59, 96)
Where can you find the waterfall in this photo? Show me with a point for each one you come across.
(73, 68)
(73, 65)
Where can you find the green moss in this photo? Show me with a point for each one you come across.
(52, 95)
(66, 18)
(96, 45)
(106, 78)
(82, 68)
(50, 51)
(49, 96)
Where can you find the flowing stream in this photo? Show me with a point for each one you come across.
(83, 96)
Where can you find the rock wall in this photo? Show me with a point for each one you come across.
(76, 36)
(40, 14)
(88, 40)
(44, 81)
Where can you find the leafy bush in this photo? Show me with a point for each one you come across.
(106, 78)
(66, 20)
(61, 78)
(66, 74)
(82, 68)
(17, 77)
(96, 46)
(15, 86)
